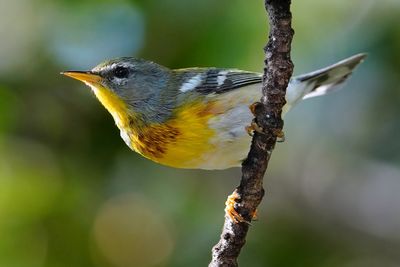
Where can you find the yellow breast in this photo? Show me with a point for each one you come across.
(180, 142)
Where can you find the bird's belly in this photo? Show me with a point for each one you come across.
(226, 154)
(231, 142)
(217, 141)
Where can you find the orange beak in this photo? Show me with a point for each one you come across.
(83, 76)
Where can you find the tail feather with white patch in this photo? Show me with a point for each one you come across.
(322, 81)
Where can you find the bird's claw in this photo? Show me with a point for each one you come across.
(253, 127)
(230, 208)
(253, 107)
(231, 212)
(280, 136)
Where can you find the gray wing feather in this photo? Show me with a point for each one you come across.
(219, 81)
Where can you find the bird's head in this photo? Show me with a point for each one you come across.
(130, 87)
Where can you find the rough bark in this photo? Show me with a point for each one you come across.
(277, 72)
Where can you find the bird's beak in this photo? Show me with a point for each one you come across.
(84, 76)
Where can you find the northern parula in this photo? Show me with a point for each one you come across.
(196, 117)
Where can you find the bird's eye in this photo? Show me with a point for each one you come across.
(121, 72)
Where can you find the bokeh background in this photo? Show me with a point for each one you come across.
(72, 193)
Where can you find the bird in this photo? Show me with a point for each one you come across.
(194, 118)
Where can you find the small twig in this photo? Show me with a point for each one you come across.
(277, 72)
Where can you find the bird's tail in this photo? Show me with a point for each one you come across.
(321, 81)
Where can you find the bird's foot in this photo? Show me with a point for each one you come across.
(231, 212)
(280, 136)
(230, 208)
(254, 127)
(253, 107)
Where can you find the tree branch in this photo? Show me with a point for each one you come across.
(277, 72)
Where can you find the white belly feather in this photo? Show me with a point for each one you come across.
(231, 141)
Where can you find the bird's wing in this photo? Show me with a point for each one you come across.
(215, 81)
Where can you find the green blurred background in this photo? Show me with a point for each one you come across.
(73, 194)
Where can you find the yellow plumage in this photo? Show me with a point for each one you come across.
(180, 142)
(112, 103)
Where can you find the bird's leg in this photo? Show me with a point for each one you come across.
(231, 212)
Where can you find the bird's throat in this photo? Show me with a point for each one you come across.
(117, 107)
